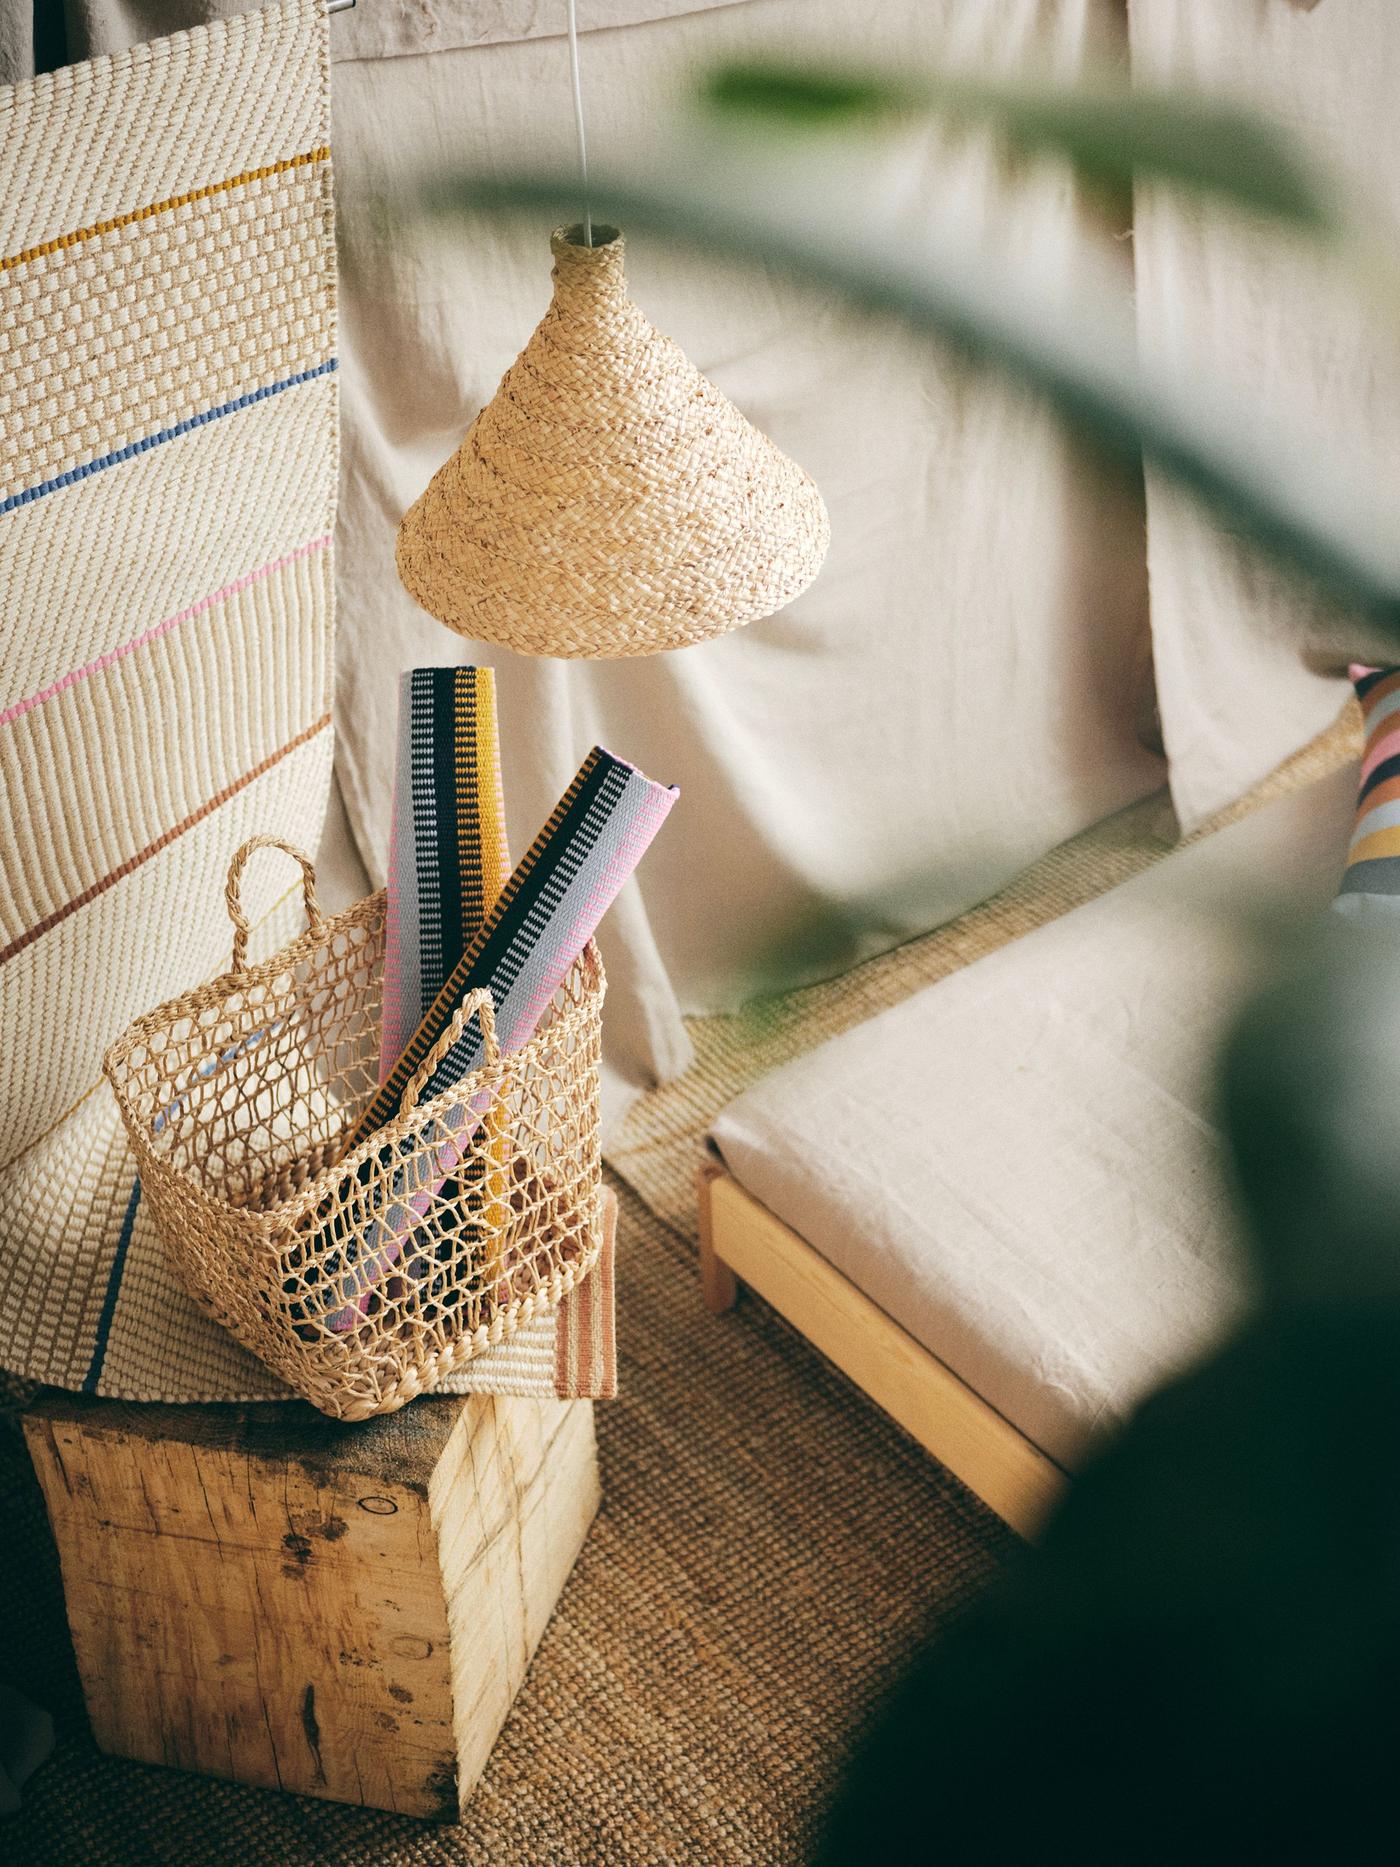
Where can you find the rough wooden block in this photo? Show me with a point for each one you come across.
(265, 1594)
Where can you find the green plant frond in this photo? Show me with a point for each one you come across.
(1112, 133)
(1291, 494)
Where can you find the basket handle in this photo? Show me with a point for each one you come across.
(478, 1002)
(314, 919)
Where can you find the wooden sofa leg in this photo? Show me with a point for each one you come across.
(718, 1285)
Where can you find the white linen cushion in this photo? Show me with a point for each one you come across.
(1018, 1163)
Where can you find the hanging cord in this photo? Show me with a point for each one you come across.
(578, 121)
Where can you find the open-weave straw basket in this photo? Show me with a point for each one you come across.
(608, 500)
(361, 1281)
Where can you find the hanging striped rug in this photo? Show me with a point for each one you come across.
(168, 439)
(168, 454)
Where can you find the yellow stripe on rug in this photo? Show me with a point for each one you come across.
(1379, 843)
(110, 225)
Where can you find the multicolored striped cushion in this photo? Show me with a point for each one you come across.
(1371, 883)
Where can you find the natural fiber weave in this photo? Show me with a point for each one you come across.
(718, 1710)
(168, 443)
(360, 1277)
(608, 500)
(161, 533)
(113, 136)
(143, 299)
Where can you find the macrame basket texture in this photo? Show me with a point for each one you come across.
(361, 1281)
(608, 500)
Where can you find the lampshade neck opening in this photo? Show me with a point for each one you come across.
(575, 236)
(582, 268)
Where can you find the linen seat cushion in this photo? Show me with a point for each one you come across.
(1018, 1164)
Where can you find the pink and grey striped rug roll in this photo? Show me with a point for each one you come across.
(448, 862)
(540, 923)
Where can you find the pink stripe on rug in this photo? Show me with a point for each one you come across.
(585, 1344)
(159, 629)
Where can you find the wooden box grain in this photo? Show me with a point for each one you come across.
(264, 1594)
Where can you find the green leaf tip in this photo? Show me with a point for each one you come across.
(799, 96)
(1112, 133)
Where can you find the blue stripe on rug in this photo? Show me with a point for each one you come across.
(114, 1285)
(133, 448)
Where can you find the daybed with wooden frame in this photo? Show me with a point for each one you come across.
(998, 1206)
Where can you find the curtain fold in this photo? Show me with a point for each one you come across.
(967, 675)
(957, 689)
(1237, 650)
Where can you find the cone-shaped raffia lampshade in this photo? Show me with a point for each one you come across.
(608, 500)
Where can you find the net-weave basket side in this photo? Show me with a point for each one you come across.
(361, 1281)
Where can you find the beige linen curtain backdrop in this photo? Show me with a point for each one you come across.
(1236, 695)
(957, 679)
(969, 672)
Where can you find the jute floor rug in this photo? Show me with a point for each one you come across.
(770, 1549)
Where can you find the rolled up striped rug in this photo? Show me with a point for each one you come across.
(538, 926)
(448, 861)
(521, 954)
(448, 853)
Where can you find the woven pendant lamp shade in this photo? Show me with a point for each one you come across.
(608, 500)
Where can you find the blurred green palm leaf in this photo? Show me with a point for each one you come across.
(1287, 491)
(1111, 133)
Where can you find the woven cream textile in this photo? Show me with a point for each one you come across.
(167, 498)
(168, 460)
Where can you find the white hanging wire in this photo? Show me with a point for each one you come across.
(578, 121)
